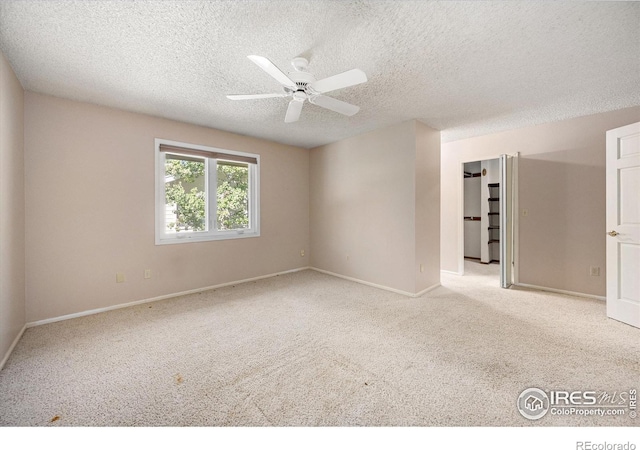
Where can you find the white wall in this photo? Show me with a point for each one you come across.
(12, 234)
(374, 203)
(561, 183)
(90, 210)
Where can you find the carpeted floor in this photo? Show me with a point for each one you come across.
(310, 349)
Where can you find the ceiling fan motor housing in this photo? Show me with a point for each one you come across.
(301, 79)
(300, 95)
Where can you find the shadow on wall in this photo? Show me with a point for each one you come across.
(562, 220)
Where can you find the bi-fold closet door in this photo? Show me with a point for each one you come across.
(508, 183)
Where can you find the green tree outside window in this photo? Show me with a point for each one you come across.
(186, 191)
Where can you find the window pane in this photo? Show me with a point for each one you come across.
(232, 195)
(185, 194)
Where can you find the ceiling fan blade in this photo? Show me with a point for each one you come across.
(272, 70)
(335, 105)
(342, 80)
(253, 96)
(293, 111)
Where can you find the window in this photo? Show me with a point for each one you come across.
(205, 193)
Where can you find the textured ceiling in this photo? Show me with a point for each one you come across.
(467, 68)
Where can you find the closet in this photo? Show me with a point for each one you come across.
(482, 211)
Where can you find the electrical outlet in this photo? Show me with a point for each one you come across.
(120, 277)
(347, 257)
(147, 273)
(421, 267)
(302, 252)
(594, 271)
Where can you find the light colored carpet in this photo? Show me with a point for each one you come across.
(311, 349)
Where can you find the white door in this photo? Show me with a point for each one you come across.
(506, 220)
(623, 224)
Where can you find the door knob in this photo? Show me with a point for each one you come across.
(613, 233)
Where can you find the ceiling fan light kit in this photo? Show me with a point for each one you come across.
(302, 86)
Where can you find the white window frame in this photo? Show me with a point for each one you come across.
(212, 234)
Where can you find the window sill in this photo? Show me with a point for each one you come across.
(186, 239)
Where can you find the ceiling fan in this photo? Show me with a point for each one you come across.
(302, 86)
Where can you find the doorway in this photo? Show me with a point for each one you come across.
(488, 226)
(482, 212)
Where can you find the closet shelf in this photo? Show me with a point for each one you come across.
(493, 241)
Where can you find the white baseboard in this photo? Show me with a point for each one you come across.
(450, 272)
(559, 291)
(429, 289)
(13, 345)
(155, 299)
(378, 286)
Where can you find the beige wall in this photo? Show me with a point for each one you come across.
(12, 235)
(561, 183)
(427, 190)
(363, 206)
(90, 210)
